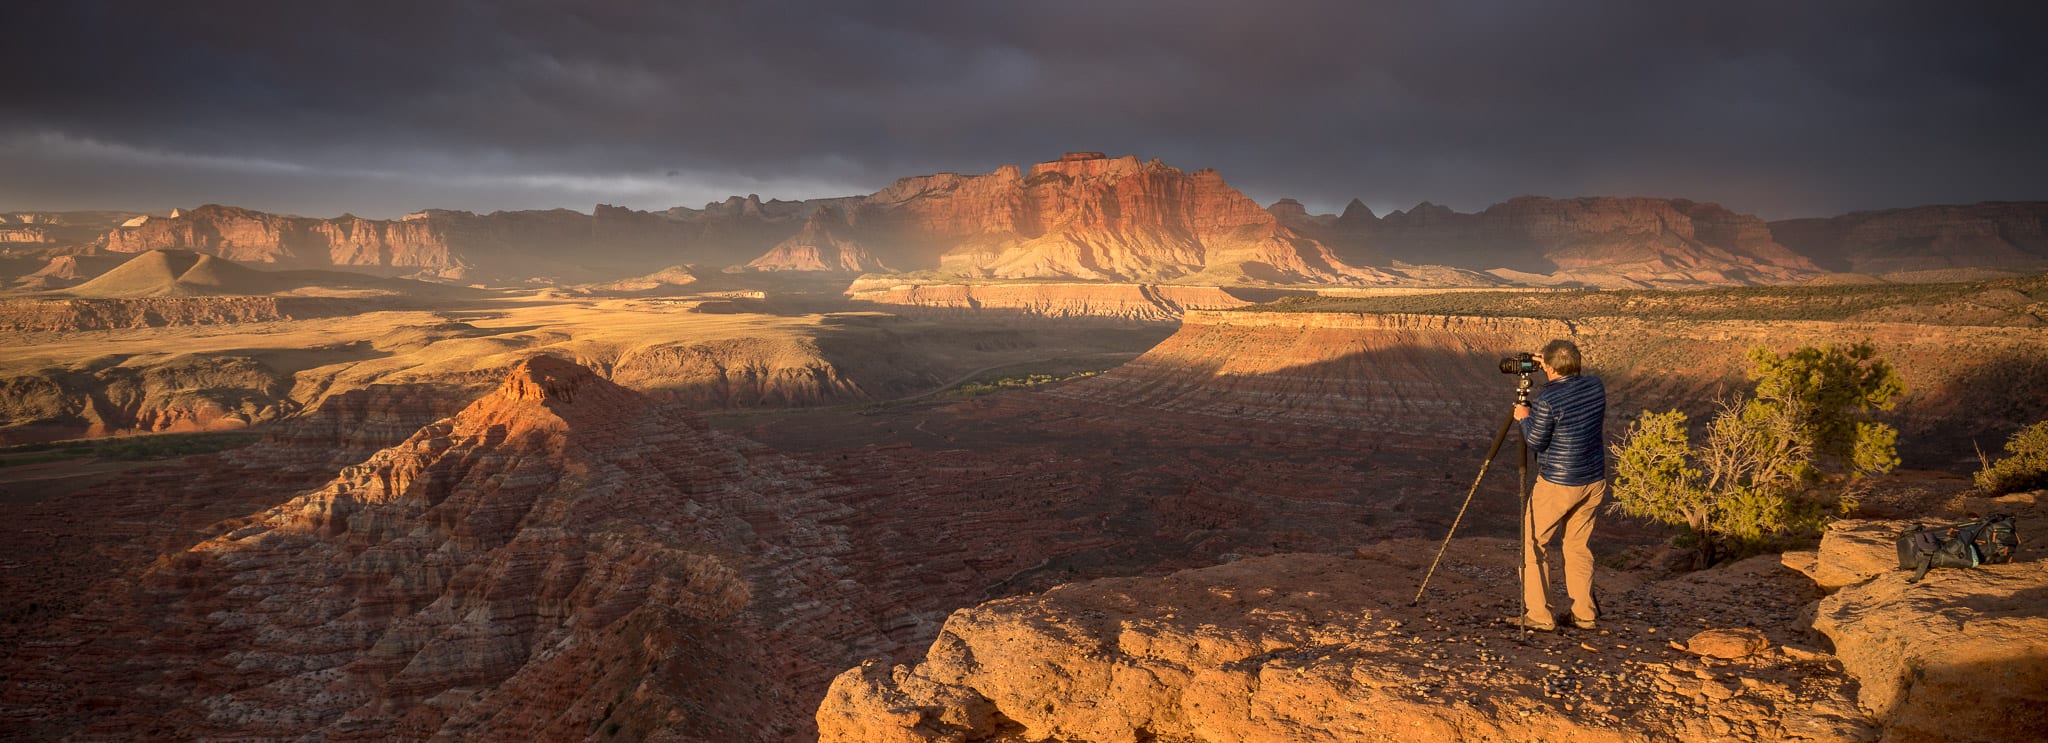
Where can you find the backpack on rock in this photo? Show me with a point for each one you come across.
(1989, 541)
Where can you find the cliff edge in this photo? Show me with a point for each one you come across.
(1305, 647)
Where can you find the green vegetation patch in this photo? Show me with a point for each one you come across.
(1016, 382)
(1839, 302)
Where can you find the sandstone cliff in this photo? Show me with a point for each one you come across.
(819, 246)
(1319, 648)
(66, 315)
(559, 244)
(2009, 235)
(1086, 217)
(1143, 302)
(1610, 242)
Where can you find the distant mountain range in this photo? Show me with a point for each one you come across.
(1091, 217)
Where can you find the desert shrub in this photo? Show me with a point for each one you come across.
(1751, 481)
(2024, 466)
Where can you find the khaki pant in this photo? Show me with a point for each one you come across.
(1553, 507)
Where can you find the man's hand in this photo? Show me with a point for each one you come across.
(1521, 412)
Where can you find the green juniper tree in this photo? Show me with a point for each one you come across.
(1809, 414)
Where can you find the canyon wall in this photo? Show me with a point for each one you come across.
(1433, 375)
(187, 393)
(1608, 242)
(69, 315)
(1141, 302)
(1121, 219)
(2006, 235)
(559, 244)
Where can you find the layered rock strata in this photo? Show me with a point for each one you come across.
(71, 315)
(1142, 302)
(560, 244)
(561, 559)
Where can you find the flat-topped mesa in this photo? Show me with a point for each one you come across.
(1092, 167)
(1083, 216)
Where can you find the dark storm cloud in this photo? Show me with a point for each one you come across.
(1776, 108)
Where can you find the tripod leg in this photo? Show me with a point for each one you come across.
(1491, 452)
(1528, 519)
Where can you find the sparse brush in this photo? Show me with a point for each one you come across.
(2024, 466)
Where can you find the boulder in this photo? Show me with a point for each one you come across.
(1727, 643)
(1857, 550)
(1961, 655)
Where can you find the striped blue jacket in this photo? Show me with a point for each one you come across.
(1565, 429)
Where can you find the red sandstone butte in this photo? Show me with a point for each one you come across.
(1087, 217)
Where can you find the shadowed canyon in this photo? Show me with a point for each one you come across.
(1096, 449)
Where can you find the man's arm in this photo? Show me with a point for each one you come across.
(1537, 425)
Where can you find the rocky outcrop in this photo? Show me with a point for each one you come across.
(1962, 654)
(25, 234)
(1142, 302)
(2008, 235)
(68, 315)
(189, 393)
(67, 270)
(45, 232)
(820, 246)
(563, 558)
(737, 373)
(1433, 374)
(1315, 648)
(559, 244)
(1609, 242)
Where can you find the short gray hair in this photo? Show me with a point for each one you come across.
(1563, 356)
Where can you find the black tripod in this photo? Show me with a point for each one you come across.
(1521, 485)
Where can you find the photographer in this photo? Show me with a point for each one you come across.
(1564, 426)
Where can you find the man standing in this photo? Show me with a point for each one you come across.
(1565, 427)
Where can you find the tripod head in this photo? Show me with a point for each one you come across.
(1522, 390)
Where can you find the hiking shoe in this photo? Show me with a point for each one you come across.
(1584, 623)
(1531, 625)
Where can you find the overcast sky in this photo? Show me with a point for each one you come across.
(379, 108)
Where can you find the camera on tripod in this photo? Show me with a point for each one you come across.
(1521, 363)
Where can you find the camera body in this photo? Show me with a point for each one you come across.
(1521, 363)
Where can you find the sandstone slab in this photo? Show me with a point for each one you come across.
(1310, 647)
(1961, 655)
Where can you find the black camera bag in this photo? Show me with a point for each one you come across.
(1989, 541)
